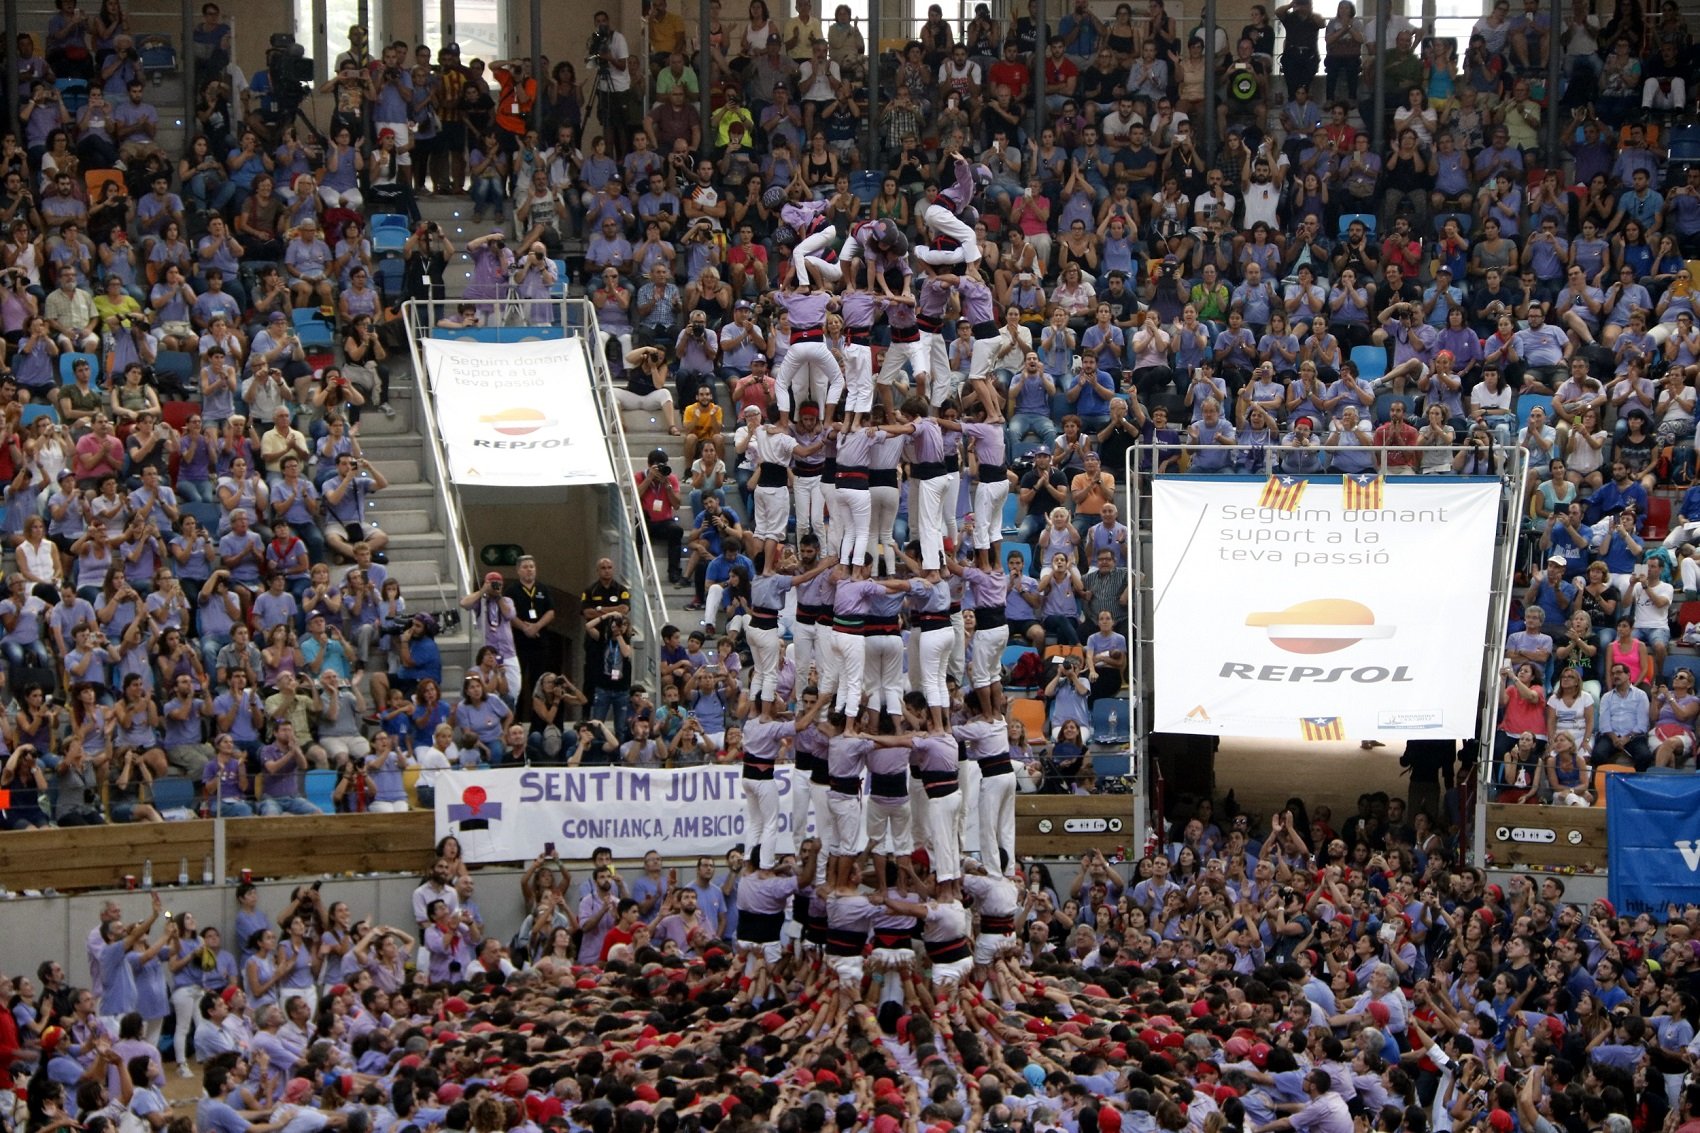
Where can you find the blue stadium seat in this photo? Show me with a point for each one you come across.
(158, 55)
(1011, 515)
(34, 412)
(319, 787)
(176, 364)
(865, 184)
(1371, 361)
(73, 94)
(1367, 218)
(1012, 655)
(390, 272)
(68, 360)
(1102, 730)
(1009, 546)
(1383, 407)
(389, 233)
(1528, 404)
(314, 331)
(173, 792)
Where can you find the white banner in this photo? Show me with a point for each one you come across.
(511, 814)
(517, 413)
(1312, 620)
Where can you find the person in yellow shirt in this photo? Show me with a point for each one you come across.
(802, 29)
(666, 34)
(704, 422)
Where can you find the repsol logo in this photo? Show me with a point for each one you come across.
(555, 442)
(1316, 674)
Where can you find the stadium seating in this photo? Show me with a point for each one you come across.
(1371, 361)
(69, 359)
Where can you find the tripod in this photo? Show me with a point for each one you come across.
(608, 111)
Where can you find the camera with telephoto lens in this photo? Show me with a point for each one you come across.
(599, 41)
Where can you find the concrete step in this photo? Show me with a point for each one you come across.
(425, 574)
(417, 544)
(398, 470)
(409, 521)
(391, 446)
(375, 426)
(403, 497)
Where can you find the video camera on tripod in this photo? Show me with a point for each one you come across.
(291, 71)
(600, 40)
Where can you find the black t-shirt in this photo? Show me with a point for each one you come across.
(1113, 449)
(1301, 33)
(529, 606)
(1097, 86)
(598, 596)
(1043, 503)
(1121, 306)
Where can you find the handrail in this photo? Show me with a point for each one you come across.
(639, 550)
(454, 521)
(635, 558)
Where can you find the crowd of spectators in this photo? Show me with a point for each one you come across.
(1264, 976)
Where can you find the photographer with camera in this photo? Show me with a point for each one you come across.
(425, 257)
(660, 492)
(615, 100)
(535, 276)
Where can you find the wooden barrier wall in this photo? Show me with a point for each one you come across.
(1066, 826)
(98, 857)
(1528, 836)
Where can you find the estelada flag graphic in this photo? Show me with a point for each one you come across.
(1361, 491)
(1283, 493)
(1322, 728)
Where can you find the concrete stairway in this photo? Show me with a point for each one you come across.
(410, 511)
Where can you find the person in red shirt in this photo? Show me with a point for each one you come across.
(660, 493)
(1402, 247)
(1011, 71)
(1397, 431)
(625, 927)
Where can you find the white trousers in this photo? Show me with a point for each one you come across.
(851, 525)
(997, 822)
(943, 816)
(952, 505)
(936, 645)
(805, 796)
(858, 377)
(890, 830)
(829, 493)
(184, 1004)
(764, 654)
(986, 665)
(988, 512)
(941, 221)
(929, 517)
(882, 671)
(808, 368)
(761, 819)
(958, 648)
(882, 522)
(804, 650)
(810, 248)
(847, 647)
(898, 353)
(809, 506)
(773, 510)
(968, 822)
(980, 359)
(935, 362)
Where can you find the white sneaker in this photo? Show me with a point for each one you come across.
(183, 1070)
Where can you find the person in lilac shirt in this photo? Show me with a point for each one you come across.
(684, 925)
(308, 260)
(596, 915)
